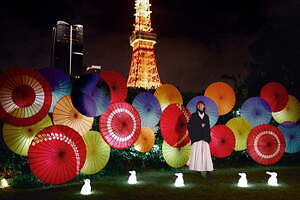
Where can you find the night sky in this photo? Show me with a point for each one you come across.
(198, 44)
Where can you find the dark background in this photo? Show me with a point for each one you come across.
(244, 43)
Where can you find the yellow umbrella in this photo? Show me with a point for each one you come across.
(168, 94)
(176, 157)
(97, 153)
(241, 129)
(145, 140)
(18, 138)
(65, 113)
(291, 112)
(223, 95)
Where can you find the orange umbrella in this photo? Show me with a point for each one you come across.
(291, 112)
(168, 94)
(241, 129)
(223, 95)
(145, 141)
(65, 113)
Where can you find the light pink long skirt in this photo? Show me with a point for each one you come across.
(200, 157)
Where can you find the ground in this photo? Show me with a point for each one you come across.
(158, 185)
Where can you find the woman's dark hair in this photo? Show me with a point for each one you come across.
(200, 102)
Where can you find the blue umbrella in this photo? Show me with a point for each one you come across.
(149, 109)
(211, 108)
(291, 133)
(90, 95)
(257, 111)
(60, 83)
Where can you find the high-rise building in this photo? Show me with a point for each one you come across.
(143, 70)
(67, 48)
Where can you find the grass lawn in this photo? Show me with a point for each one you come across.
(158, 185)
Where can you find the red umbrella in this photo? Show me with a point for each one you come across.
(117, 85)
(222, 141)
(25, 96)
(173, 125)
(276, 95)
(57, 154)
(120, 125)
(266, 144)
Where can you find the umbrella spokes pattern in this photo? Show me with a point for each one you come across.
(211, 108)
(60, 83)
(18, 138)
(168, 94)
(25, 96)
(290, 113)
(66, 114)
(275, 94)
(120, 125)
(145, 141)
(90, 95)
(117, 85)
(223, 95)
(291, 133)
(265, 144)
(149, 109)
(57, 154)
(173, 125)
(222, 141)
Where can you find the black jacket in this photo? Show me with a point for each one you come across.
(195, 129)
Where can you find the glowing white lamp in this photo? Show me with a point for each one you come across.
(3, 183)
(132, 177)
(273, 179)
(86, 188)
(243, 180)
(179, 182)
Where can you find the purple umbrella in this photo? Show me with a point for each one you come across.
(60, 83)
(90, 95)
(291, 133)
(257, 111)
(149, 109)
(211, 108)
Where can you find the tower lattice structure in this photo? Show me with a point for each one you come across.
(143, 70)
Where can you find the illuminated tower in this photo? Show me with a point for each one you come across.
(143, 71)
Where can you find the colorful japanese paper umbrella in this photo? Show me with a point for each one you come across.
(145, 141)
(275, 94)
(176, 157)
(222, 141)
(168, 94)
(97, 153)
(149, 109)
(256, 111)
(56, 154)
(60, 83)
(265, 144)
(25, 96)
(120, 125)
(241, 129)
(90, 95)
(291, 112)
(18, 138)
(223, 95)
(291, 133)
(64, 113)
(173, 125)
(211, 108)
(117, 85)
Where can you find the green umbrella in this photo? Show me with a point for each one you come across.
(97, 153)
(18, 138)
(176, 157)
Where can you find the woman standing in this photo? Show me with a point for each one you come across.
(199, 131)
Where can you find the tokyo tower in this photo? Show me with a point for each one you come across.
(143, 70)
